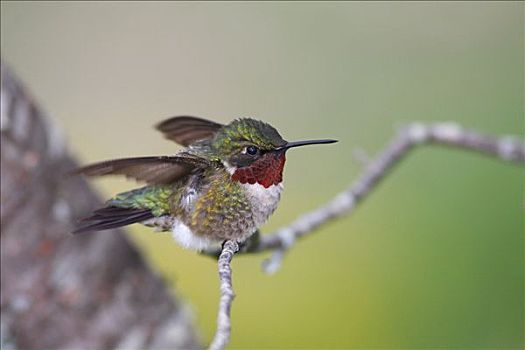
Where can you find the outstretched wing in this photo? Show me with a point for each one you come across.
(152, 170)
(185, 129)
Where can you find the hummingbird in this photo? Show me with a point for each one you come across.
(223, 185)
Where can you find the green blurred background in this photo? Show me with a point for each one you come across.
(433, 259)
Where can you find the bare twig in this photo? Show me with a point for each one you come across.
(507, 148)
(222, 335)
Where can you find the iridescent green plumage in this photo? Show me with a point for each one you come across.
(246, 131)
(219, 209)
(155, 198)
(222, 208)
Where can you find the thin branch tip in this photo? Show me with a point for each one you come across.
(223, 333)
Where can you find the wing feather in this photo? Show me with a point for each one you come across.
(112, 217)
(186, 130)
(152, 170)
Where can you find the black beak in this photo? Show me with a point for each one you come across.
(304, 143)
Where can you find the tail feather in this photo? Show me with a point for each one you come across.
(112, 217)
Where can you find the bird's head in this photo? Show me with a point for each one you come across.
(254, 151)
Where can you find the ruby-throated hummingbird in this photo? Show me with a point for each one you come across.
(224, 184)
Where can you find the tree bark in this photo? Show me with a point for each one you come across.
(60, 291)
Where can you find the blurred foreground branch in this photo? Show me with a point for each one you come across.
(59, 292)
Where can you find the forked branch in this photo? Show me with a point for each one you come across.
(510, 149)
(507, 148)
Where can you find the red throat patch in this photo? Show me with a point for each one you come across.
(267, 170)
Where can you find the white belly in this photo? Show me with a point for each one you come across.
(187, 239)
(264, 201)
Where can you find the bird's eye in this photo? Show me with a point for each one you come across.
(251, 150)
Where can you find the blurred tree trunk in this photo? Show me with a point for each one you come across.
(60, 291)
